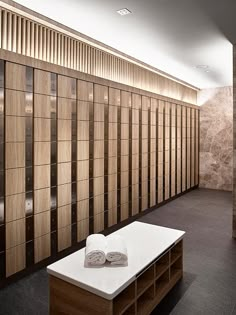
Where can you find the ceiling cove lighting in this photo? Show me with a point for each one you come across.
(17, 9)
(124, 11)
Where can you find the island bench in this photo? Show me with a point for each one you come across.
(155, 265)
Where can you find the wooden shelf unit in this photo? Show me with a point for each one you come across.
(141, 296)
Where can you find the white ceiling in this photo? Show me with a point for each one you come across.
(171, 35)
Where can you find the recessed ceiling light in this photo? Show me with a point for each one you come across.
(124, 11)
(201, 66)
(207, 70)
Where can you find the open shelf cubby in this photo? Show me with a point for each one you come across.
(145, 301)
(176, 251)
(145, 280)
(130, 310)
(124, 299)
(162, 264)
(176, 268)
(162, 283)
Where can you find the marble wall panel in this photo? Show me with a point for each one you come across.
(216, 138)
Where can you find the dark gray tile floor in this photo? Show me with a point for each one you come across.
(209, 283)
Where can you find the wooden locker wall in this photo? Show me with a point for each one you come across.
(80, 156)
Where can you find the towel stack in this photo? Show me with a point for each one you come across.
(100, 249)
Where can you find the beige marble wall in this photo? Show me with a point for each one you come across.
(216, 138)
(234, 141)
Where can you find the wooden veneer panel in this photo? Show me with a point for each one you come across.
(42, 176)
(42, 82)
(15, 181)
(85, 91)
(82, 229)
(42, 129)
(15, 153)
(99, 305)
(64, 238)
(64, 194)
(15, 233)
(15, 259)
(15, 103)
(64, 217)
(63, 173)
(42, 248)
(42, 111)
(15, 205)
(41, 223)
(42, 153)
(42, 201)
(15, 129)
(15, 76)
(66, 87)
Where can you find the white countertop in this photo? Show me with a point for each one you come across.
(144, 242)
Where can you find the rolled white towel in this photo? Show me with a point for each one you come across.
(95, 252)
(116, 250)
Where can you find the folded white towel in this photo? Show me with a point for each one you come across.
(116, 251)
(95, 252)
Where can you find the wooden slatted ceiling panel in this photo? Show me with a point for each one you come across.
(29, 38)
